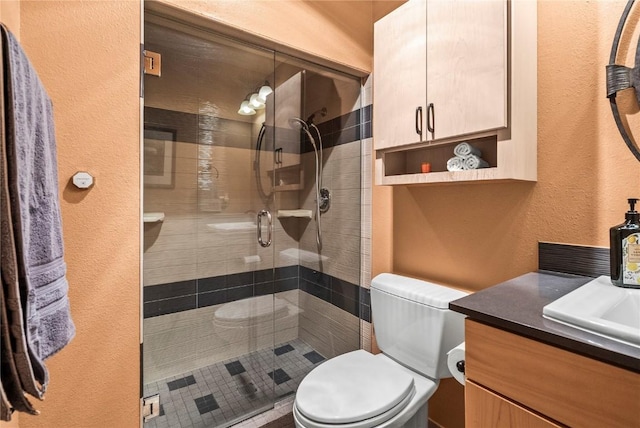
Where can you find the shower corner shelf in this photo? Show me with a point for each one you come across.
(152, 217)
(288, 178)
(295, 213)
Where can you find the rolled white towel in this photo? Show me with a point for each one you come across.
(466, 149)
(456, 163)
(475, 162)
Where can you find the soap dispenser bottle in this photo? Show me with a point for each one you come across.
(625, 249)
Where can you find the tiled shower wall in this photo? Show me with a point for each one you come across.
(192, 242)
(189, 245)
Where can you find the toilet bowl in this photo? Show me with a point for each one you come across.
(415, 330)
(367, 391)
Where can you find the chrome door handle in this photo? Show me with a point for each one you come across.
(261, 241)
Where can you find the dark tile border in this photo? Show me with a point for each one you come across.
(349, 127)
(573, 259)
(180, 296)
(185, 295)
(347, 296)
(170, 290)
(353, 126)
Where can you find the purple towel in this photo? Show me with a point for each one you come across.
(33, 187)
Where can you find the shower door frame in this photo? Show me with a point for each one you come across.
(154, 405)
(240, 35)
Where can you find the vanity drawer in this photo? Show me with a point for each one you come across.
(487, 409)
(566, 387)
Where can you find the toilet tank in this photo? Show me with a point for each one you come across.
(413, 323)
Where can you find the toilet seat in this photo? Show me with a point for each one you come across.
(353, 390)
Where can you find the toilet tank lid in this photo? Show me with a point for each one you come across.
(423, 292)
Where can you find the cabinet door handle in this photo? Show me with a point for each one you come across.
(419, 122)
(431, 120)
(261, 241)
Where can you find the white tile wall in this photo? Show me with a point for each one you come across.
(184, 341)
(183, 247)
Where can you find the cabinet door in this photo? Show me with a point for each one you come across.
(569, 388)
(399, 85)
(467, 66)
(483, 408)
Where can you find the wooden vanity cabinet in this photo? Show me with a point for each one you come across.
(484, 408)
(513, 381)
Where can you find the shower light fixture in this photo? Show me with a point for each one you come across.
(264, 91)
(259, 98)
(246, 109)
(255, 101)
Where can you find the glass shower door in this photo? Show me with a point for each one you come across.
(208, 263)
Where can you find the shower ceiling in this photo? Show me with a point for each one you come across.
(208, 63)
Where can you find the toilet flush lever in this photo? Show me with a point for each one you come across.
(460, 366)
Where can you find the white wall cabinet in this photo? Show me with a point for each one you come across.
(470, 66)
(445, 58)
(399, 81)
(466, 66)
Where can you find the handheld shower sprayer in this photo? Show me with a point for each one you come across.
(322, 195)
(297, 123)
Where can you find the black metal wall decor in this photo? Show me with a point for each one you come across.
(621, 77)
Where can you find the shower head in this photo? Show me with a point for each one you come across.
(322, 112)
(297, 123)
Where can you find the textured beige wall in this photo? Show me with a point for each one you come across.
(10, 16)
(87, 55)
(475, 236)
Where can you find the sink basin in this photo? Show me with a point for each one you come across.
(601, 308)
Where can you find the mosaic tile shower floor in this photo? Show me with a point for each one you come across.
(227, 392)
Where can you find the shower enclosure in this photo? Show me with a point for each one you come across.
(252, 224)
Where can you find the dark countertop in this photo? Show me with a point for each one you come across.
(516, 306)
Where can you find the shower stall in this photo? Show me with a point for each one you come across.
(252, 224)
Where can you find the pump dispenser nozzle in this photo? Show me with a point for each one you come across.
(632, 214)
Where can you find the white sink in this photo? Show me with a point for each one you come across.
(600, 308)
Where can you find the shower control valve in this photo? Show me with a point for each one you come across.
(325, 200)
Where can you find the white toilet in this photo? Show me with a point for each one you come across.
(414, 329)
